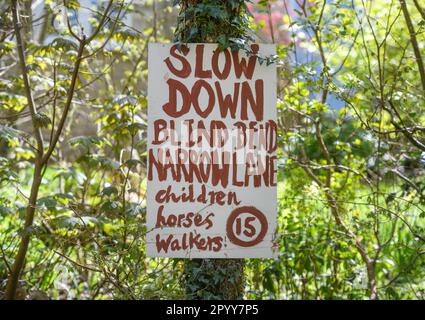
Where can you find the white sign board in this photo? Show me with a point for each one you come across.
(212, 140)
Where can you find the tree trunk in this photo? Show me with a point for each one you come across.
(13, 279)
(214, 278)
(12, 283)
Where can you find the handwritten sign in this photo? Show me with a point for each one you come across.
(212, 140)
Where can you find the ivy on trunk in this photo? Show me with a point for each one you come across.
(224, 22)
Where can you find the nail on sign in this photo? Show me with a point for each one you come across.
(212, 140)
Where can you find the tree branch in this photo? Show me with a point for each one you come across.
(21, 53)
(414, 42)
(418, 7)
(67, 103)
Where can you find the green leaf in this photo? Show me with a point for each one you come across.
(109, 191)
(86, 141)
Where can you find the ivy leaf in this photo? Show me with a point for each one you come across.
(223, 41)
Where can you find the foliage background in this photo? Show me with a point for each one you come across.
(351, 157)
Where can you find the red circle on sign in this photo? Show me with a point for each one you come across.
(257, 214)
